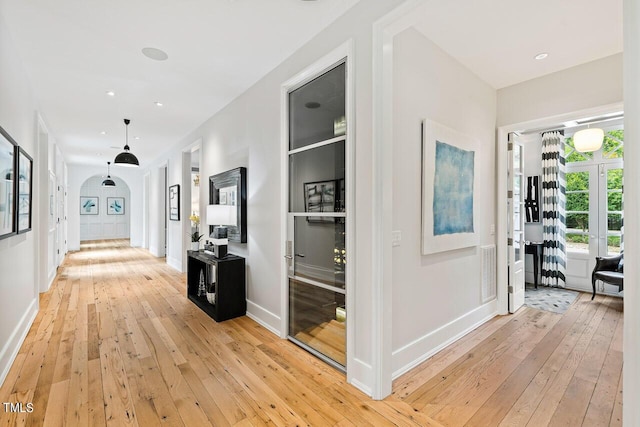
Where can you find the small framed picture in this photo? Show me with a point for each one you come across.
(25, 185)
(115, 205)
(320, 197)
(8, 154)
(88, 205)
(174, 202)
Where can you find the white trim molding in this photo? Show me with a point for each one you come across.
(384, 31)
(264, 317)
(9, 352)
(421, 349)
(631, 67)
(344, 52)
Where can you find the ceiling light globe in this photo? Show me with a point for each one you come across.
(588, 140)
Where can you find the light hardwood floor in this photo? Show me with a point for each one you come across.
(117, 343)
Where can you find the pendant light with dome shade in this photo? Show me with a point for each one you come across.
(108, 182)
(588, 140)
(126, 158)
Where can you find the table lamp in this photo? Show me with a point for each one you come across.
(220, 216)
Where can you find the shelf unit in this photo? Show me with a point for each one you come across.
(228, 278)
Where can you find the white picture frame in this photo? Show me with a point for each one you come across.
(449, 193)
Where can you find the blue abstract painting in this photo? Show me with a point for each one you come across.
(453, 190)
(115, 206)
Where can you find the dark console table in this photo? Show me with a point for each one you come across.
(535, 249)
(225, 276)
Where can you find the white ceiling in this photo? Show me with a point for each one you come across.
(77, 50)
(498, 39)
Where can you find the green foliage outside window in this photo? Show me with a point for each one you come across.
(577, 206)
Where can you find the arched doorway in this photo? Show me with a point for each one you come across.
(104, 211)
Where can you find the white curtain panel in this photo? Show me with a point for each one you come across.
(554, 258)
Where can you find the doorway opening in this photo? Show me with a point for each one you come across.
(592, 215)
(594, 212)
(316, 238)
(104, 211)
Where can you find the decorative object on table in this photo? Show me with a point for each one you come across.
(532, 200)
(323, 196)
(230, 188)
(211, 293)
(195, 234)
(88, 205)
(115, 205)
(126, 158)
(108, 182)
(8, 156)
(448, 194)
(174, 202)
(202, 289)
(221, 216)
(25, 187)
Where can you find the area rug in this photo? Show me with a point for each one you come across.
(556, 300)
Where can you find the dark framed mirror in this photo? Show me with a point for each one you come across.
(230, 188)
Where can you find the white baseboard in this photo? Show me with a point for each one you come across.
(10, 350)
(360, 375)
(176, 264)
(416, 352)
(264, 317)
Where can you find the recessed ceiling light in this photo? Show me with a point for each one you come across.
(104, 132)
(136, 137)
(158, 104)
(110, 93)
(312, 105)
(155, 54)
(540, 56)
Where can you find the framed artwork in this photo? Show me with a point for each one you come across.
(88, 205)
(449, 198)
(532, 199)
(8, 166)
(320, 197)
(174, 202)
(115, 205)
(230, 188)
(25, 187)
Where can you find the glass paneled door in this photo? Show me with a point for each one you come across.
(316, 249)
(515, 215)
(594, 208)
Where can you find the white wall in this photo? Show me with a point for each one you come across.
(589, 85)
(631, 366)
(103, 225)
(438, 296)
(78, 175)
(247, 133)
(18, 267)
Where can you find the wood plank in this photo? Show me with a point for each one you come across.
(57, 407)
(570, 328)
(116, 329)
(118, 404)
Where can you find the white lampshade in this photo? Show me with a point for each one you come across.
(222, 215)
(588, 139)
